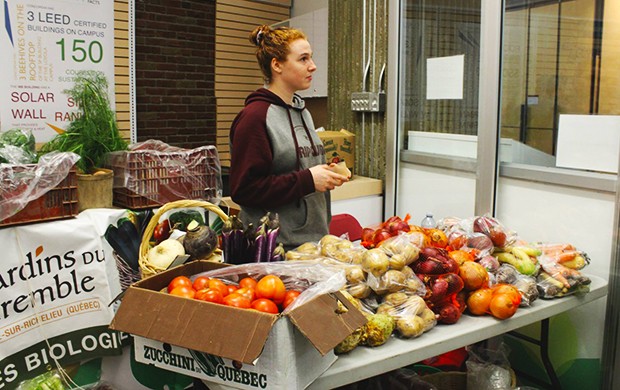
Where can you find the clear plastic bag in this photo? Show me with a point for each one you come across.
(526, 285)
(563, 253)
(481, 233)
(378, 280)
(401, 250)
(488, 367)
(51, 380)
(560, 270)
(17, 146)
(413, 317)
(20, 184)
(341, 249)
(164, 173)
(312, 278)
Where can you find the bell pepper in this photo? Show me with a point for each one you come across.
(162, 231)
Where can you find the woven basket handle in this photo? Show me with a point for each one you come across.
(150, 228)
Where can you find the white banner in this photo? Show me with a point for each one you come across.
(44, 44)
(54, 297)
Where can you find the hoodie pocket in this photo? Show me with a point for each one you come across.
(299, 216)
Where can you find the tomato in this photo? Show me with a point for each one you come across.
(248, 292)
(183, 291)
(232, 288)
(179, 281)
(271, 287)
(209, 295)
(200, 283)
(265, 305)
(219, 285)
(248, 282)
(289, 297)
(237, 300)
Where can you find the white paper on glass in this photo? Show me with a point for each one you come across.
(589, 142)
(444, 77)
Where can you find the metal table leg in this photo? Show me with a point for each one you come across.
(543, 344)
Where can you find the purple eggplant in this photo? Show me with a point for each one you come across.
(226, 240)
(273, 229)
(260, 244)
(248, 238)
(278, 253)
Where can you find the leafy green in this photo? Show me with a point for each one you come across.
(17, 146)
(95, 132)
(47, 381)
(18, 137)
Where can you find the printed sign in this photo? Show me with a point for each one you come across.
(54, 297)
(44, 44)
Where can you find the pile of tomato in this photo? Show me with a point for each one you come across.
(267, 294)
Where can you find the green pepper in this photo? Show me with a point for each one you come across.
(180, 219)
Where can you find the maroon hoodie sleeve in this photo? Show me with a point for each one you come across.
(251, 182)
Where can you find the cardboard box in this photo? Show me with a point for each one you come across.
(288, 361)
(339, 146)
(286, 351)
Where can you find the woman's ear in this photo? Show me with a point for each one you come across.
(276, 66)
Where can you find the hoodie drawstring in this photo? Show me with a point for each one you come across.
(312, 145)
(290, 121)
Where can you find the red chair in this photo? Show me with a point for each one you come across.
(345, 223)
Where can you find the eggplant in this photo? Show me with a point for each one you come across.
(144, 217)
(260, 244)
(122, 246)
(273, 229)
(226, 240)
(130, 234)
(278, 253)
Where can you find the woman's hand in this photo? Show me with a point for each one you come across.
(325, 179)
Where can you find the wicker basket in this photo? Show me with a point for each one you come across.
(149, 269)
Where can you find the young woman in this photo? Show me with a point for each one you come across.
(278, 161)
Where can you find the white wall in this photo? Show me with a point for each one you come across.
(443, 193)
(542, 212)
(301, 7)
(368, 210)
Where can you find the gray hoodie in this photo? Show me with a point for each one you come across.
(273, 145)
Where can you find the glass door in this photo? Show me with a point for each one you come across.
(559, 152)
(501, 107)
(440, 116)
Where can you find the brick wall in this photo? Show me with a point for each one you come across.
(175, 71)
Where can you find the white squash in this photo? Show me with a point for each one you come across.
(164, 253)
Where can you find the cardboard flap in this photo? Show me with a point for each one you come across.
(323, 323)
(236, 334)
